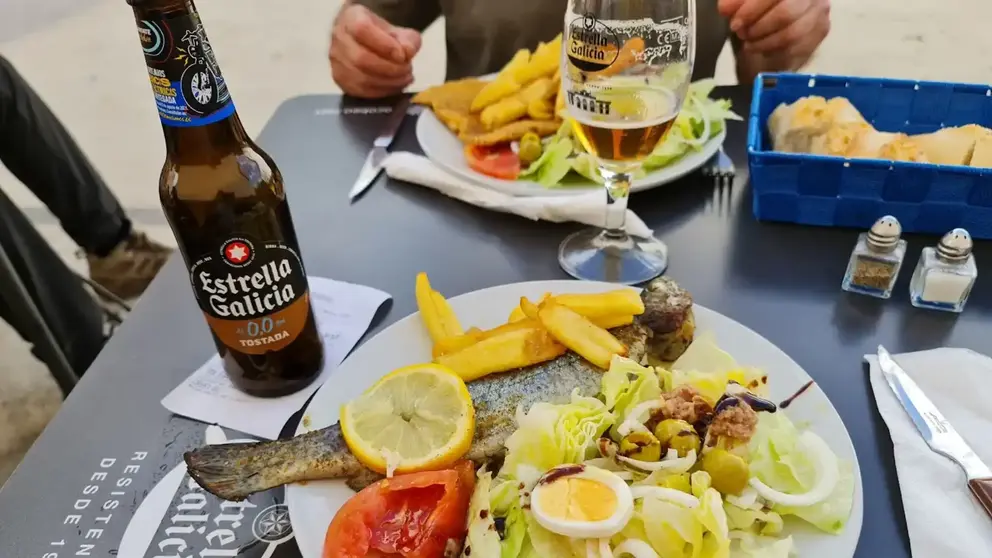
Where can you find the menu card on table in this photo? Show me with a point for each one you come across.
(343, 311)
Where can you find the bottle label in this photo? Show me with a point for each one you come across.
(253, 294)
(188, 86)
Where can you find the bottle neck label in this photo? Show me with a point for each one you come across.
(188, 86)
(254, 294)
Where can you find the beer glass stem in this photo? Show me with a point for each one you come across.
(617, 191)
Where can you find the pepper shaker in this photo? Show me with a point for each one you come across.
(945, 274)
(876, 259)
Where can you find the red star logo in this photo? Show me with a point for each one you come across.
(237, 252)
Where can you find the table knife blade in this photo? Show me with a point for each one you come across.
(936, 430)
(380, 149)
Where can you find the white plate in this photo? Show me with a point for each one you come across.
(447, 151)
(313, 505)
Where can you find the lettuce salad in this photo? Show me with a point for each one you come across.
(678, 511)
(563, 162)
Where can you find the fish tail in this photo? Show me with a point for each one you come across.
(236, 471)
(229, 471)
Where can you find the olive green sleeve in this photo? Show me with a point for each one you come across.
(415, 14)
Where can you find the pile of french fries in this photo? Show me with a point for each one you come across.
(527, 87)
(535, 331)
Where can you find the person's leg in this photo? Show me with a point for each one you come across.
(38, 150)
(69, 311)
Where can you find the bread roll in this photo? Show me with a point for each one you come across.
(982, 155)
(841, 139)
(793, 127)
(801, 126)
(841, 111)
(952, 146)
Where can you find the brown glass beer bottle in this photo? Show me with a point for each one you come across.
(225, 201)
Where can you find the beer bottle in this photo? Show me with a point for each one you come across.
(224, 199)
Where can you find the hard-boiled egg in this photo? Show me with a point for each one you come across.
(582, 501)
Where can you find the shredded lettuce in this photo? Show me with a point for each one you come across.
(563, 156)
(776, 459)
(482, 537)
(627, 384)
(756, 522)
(552, 165)
(752, 546)
(550, 435)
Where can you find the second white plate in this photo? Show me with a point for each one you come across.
(447, 151)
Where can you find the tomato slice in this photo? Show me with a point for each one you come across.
(408, 516)
(498, 161)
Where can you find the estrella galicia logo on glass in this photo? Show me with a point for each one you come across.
(591, 45)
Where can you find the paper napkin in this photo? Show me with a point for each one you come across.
(588, 208)
(944, 519)
(343, 312)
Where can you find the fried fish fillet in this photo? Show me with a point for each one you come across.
(235, 471)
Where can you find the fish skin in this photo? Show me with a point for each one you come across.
(236, 471)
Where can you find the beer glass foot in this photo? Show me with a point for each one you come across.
(599, 255)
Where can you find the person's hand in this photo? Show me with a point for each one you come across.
(791, 29)
(369, 57)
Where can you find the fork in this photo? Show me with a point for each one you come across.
(721, 168)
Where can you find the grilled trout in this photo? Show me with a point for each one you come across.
(235, 471)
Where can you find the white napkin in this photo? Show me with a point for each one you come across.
(587, 208)
(944, 519)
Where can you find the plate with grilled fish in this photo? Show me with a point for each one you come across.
(560, 418)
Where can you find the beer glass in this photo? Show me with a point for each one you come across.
(626, 66)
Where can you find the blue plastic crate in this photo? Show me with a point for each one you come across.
(839, 192)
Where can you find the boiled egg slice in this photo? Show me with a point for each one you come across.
(582, 501)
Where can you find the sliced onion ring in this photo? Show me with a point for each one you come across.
(636, 548)
(666, 494)
(825, 467)
(633, 422)
(681, 463)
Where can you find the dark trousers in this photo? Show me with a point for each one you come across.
(37, 149)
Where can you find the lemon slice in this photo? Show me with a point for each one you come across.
(416, 418)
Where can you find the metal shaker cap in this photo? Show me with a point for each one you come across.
(955, 246)
(884, 234)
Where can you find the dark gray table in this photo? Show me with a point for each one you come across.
(783, 281)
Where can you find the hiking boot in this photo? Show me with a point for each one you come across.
(128, 269)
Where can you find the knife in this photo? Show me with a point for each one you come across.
(373, 163)
(936, 431)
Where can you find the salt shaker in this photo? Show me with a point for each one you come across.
(876, 259)
(945, 274)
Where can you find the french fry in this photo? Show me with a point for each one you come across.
(516, 315)
(539, 109)
(612, 321)
(449, 321)
(620, 301)
(438, 317)
(543, 63)
(494, 91)
(500, 353)
(590, 341)
(627, 57)
(528, 307)
(503, 112)
(450, 345)
(428, 310)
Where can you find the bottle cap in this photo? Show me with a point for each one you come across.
(955, 246)
(884, 234)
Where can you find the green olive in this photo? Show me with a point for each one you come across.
(678, 482)
(642, 446)
(678, 435)
(530, 148)
(684, 442)
(728, 471)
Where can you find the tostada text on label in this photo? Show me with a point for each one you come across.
(188, 86)
(252, 293)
